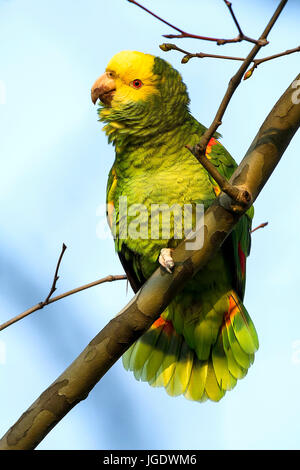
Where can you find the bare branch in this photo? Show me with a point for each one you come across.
(202, 55)
(241, 197)
(156, 16)
(229, 5)
(257, 62)
(274, 56)
(40, 305)
(183, 34)
(50, 300)
(56, 276)
(241, 36)
(260, 226)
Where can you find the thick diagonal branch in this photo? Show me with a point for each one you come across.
(105, 349)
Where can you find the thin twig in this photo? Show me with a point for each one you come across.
(202, 55)
(56, 276)
(241, 36)
(156, 16)
(39, 306)
(259, 226)
(257, 62)
(224, 185)
(274, 56)
(229, 5)
(183, 34)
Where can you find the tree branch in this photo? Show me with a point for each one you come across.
(257, 62)
(241, 197)
(118, 335)
(56, 277)
(260, 226)
(189, 55)
(241, 36)
(40, 305)
(229, 5)
(50, 300)
(202, 55)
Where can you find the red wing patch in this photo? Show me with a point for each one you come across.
(233, 310)
(167, 325)
(210, 144)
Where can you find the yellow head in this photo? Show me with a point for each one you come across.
(128, 78)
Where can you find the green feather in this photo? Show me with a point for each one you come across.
(144, 352)
(152, 365)
(196, 386)
(239, 354)
(167, 368)
(244, 330)
(234, 367)
(182, 371)
(220, 364)
(126, 357)
(212, 388)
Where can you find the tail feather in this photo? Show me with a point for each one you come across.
(212, 387)
(196, 387)
(242, 325)
(164, 358)
(168, 365)
(155, 359)
(142, 350)
(234, 367)
(169, 345)
(242, 358)
(220, 364)
(182, 371)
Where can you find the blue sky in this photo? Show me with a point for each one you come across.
(55, 162)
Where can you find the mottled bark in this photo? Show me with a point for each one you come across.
(105, 349)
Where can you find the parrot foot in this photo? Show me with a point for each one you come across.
(165, 259)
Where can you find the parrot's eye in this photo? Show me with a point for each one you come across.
(137, 83)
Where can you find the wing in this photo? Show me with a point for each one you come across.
(131, 265)
(236, 248)
(129, 260)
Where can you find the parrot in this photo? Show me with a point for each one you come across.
(205, 340)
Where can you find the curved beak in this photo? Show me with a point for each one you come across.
(104, 89)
